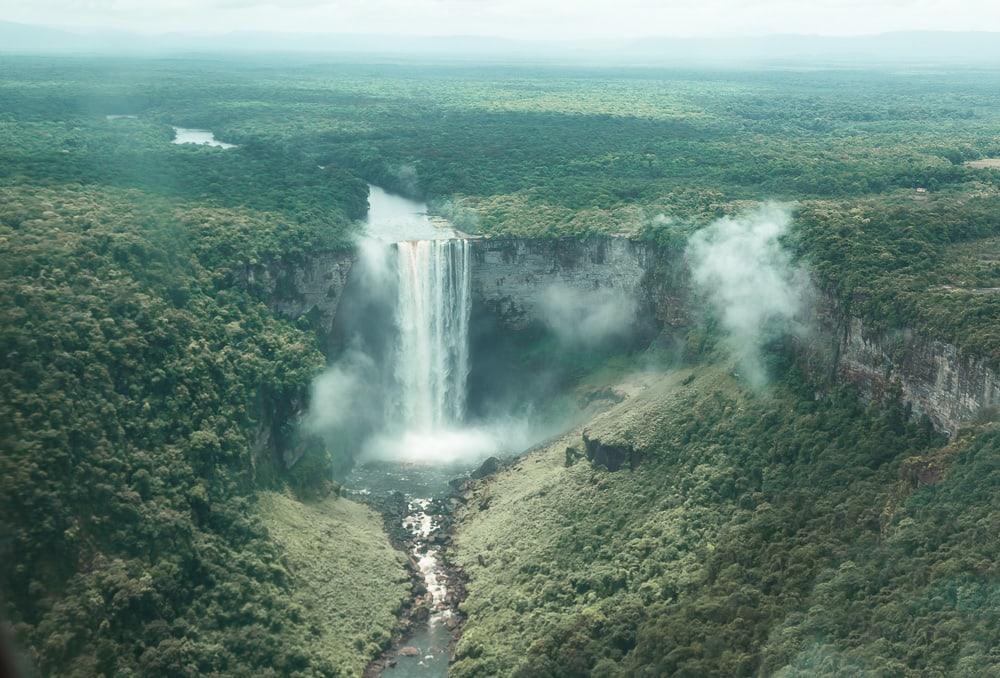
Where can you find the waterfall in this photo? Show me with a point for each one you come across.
(432, 318)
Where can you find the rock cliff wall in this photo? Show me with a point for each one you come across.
(510, 276)
(931, 376)
(311, 285)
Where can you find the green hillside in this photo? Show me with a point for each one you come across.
(761, 534)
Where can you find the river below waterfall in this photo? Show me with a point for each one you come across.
(425, 649)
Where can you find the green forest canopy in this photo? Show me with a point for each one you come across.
(135, 363)
(559, 151)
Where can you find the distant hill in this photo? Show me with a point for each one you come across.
(913, 46)
(927, 47)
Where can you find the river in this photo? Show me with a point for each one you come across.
(200, 137)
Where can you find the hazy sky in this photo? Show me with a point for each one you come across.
(562, 19)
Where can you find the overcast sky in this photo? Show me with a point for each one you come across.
(558, 19)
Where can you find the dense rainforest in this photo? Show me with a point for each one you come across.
(894, 213)
(146, 530)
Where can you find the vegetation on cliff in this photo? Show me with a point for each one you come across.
(145, 395)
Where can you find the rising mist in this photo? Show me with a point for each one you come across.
(754, 288)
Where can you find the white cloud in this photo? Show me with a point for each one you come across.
(563, 19)
(757, 292)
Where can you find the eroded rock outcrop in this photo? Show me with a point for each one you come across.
(934, 378)
(611, 456)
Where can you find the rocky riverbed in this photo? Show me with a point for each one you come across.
(416, 503)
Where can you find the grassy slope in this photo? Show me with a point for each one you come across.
(759, 532)
(551, 540)
(348, 579)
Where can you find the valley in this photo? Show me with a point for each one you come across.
(495, 369)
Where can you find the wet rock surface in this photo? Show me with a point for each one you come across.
(510, 276)
(487, 468)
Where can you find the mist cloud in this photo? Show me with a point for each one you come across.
(756, 291)
(587, 318)
(342, 394)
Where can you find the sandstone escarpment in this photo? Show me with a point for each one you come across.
(511, 275)
(932, 377)
(309, 285)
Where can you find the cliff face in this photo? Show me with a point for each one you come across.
(510, 276)
(310, 285)
(934, 378)
(931, 376)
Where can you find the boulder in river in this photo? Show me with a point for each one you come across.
(409, 651)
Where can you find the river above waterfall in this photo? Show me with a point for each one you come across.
(394, 218)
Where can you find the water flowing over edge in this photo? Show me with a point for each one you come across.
(432, 317)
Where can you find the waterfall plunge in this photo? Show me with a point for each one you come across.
(398, 393)
(432, 317)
